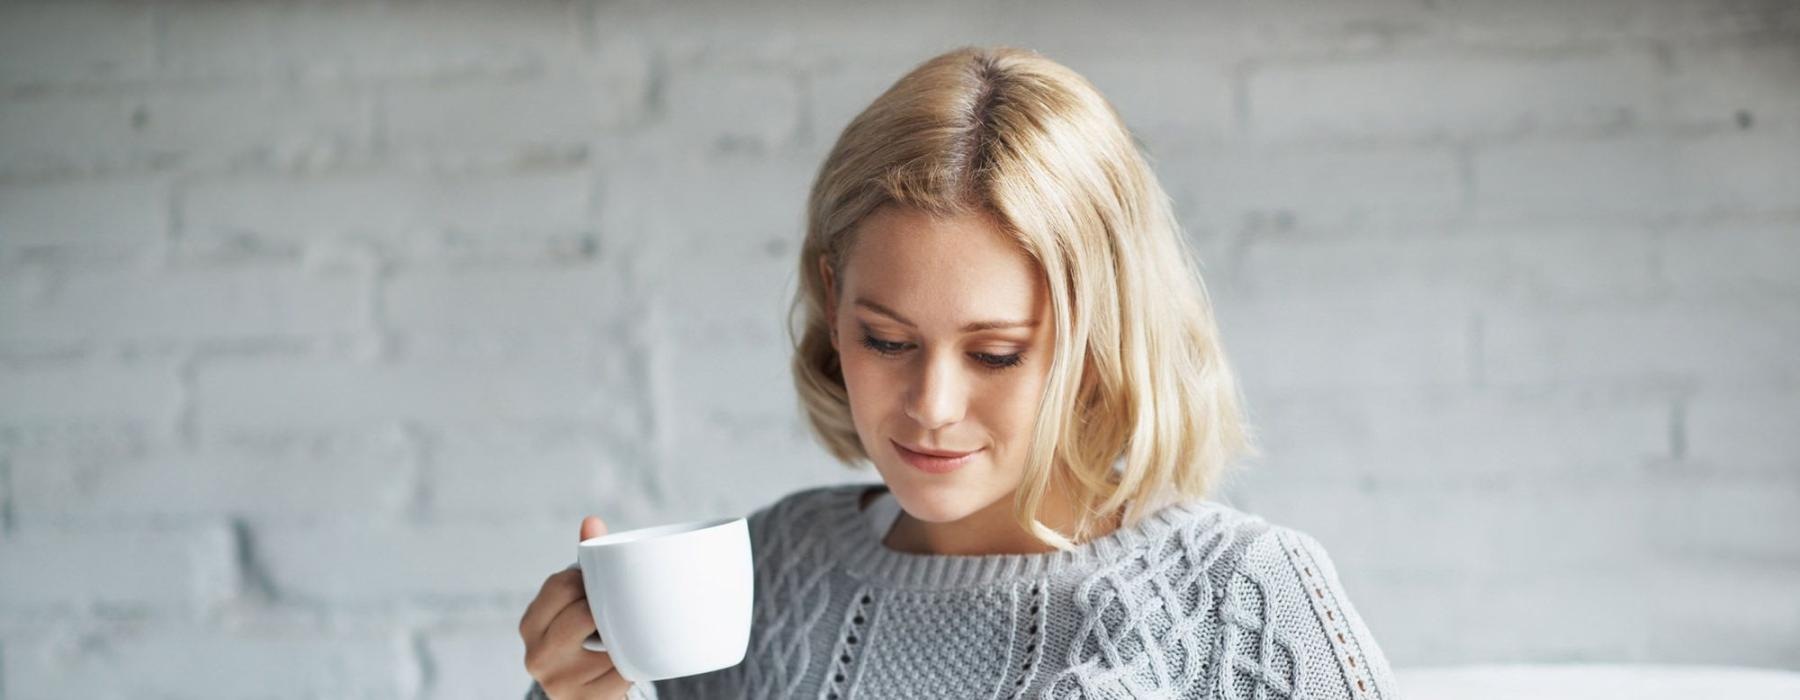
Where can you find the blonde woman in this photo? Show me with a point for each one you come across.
(998, 312)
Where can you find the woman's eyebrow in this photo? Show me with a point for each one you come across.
(969, 328)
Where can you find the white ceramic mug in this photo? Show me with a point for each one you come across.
(672, 600)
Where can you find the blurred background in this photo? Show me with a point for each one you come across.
(323, 324)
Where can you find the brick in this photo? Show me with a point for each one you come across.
(227, 126)
(1638, 179)
(1670, 344)
(755, 204)
(711, 412)
(1315, 189)
(1222, 29)
(1708, 518)
(502, 471)
(1373, 439)
(455, 384)
(1735, 84)
(1550, 264)
(1370, 25)
(576, 245)
(76, 441)
(732, 106)
(1756, 184)
(839, 90)
(506, 299)
(295, 480)
(823, 34)
(360, 564)
(185, 570)
(127, 661)
(1610, 610)
(1741, 264)
(566, 106)
(75, 42)
(1475, 267)
(806, 35)
(389, 207)
(196, 126)
(1445, 97)
(59, 221)
(1702, 618)
(142, 303)
(1549, 24)
(1178, 99)
(723, 372)
(717, 366)
(477, 662)
(63, 133)
(1471, 532)
(1588, 180)
(1747, 433)
(336, 42)
(138, 395)
(743, 301)
(1277, 346)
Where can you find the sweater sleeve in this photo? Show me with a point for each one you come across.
(1296, 632)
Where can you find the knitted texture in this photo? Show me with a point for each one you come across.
(1198, 600)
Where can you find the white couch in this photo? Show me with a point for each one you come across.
(1585, 681)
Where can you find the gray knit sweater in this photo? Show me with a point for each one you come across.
(1198, 600)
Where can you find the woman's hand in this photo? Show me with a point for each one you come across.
(553, 627)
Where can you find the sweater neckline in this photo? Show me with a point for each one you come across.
(863, 553)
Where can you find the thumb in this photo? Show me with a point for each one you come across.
(592, 526)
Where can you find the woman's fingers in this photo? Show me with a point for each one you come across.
(553, 627)
(608, 685)
(576, 669)
(571, 625)
(558, 591)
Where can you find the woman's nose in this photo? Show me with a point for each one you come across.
(938, 396)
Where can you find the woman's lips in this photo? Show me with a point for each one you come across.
(934, 465)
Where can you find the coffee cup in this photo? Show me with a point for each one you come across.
(672, 600)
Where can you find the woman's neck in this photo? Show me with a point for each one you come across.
(993, 530)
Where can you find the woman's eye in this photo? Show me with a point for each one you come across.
(882, 346)
(1000, 361)
(996, 362)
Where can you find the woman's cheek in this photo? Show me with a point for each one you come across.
(863, 382)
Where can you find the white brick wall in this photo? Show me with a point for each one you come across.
(321, 325)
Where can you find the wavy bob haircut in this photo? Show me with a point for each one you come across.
(1141, 407)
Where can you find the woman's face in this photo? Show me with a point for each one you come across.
(941, 330)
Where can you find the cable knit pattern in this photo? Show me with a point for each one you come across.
(1198, 600)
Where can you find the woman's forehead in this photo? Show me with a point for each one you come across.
(963, 267)
(908, 238)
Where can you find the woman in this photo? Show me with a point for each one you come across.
(999, 313)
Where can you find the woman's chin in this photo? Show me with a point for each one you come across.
(933, 510)
(934, 504)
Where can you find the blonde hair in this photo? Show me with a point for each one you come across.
(1013, 134)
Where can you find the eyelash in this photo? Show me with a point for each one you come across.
(992, 362)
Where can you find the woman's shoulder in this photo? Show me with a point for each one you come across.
(1228, 541)
(1279, 580)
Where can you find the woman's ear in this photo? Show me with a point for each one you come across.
(830, 298)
